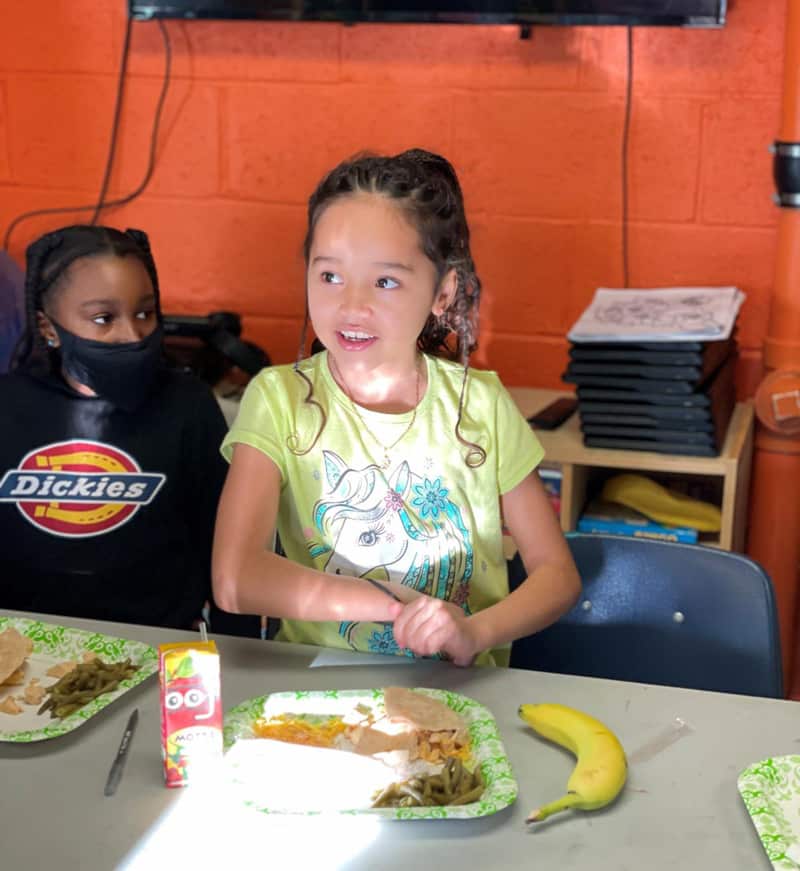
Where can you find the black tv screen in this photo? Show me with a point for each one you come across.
(675, 13)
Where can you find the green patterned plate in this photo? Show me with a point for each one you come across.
(771, 793)
(487, 752)
(54, 644)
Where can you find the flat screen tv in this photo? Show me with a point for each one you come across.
(674, 13)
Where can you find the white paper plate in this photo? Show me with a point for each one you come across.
(253, 763)
(53, 644)
(770, 790)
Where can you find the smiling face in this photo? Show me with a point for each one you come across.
(371, 287)
(105, 298)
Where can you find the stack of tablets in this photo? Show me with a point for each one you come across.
(670, 397)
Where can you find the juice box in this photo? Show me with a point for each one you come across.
(191, 710)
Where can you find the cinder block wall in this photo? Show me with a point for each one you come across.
(258, 111)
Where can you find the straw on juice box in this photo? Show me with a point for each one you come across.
(191, 713)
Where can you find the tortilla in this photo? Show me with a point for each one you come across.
(368, 740)
(14, 650)
(15, 679)
(423, 712)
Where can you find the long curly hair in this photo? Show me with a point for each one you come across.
(425, 186)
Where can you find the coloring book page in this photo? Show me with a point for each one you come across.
(669, 314)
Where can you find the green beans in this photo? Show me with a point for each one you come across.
(454, 785)
(85, 682)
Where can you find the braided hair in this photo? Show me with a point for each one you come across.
(425, 186)
(48, 260)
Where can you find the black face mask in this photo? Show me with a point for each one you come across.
(121, 372)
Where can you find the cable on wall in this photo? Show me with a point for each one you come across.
(626, 129)
(102, 203)
(112, 146)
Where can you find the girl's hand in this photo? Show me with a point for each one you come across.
(428, 626)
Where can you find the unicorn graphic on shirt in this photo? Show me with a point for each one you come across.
(402, 528)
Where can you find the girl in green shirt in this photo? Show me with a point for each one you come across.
(379, 462)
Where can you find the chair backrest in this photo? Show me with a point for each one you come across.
(663, 613)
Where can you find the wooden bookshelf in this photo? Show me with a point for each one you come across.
(726, 477)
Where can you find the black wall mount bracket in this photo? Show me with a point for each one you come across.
(786, 173)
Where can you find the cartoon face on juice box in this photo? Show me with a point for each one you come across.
(191, 711)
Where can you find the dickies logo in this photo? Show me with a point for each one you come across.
(78, 489)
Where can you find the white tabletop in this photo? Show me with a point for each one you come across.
(680, 809)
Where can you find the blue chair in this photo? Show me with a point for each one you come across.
(662, 613)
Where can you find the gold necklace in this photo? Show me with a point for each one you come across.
(387, 460)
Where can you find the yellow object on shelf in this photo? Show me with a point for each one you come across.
(659, 503)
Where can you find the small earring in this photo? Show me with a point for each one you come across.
(51, 343)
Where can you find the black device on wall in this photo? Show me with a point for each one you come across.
(674, 13)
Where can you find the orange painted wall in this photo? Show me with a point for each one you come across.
(258, 111)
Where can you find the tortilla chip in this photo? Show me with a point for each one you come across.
(14, 650)
(423, 712)
(33, 694)
(61, 668)
(9, 706)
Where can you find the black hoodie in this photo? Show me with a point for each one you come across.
(143, 556)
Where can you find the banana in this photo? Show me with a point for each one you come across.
(601, 767)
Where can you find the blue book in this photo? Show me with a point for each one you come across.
(614, 519)
(551, 479)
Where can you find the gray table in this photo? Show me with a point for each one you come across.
(681, 808)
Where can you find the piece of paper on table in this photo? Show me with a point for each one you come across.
(666, 314)
(333, 656)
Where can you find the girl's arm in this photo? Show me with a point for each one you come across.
(249, 578)
(553, 584)
(550, 590)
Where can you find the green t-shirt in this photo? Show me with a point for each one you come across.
(427, 520)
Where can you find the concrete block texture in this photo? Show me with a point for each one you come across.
(258, 111)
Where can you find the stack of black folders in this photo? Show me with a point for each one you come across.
(670, 397)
